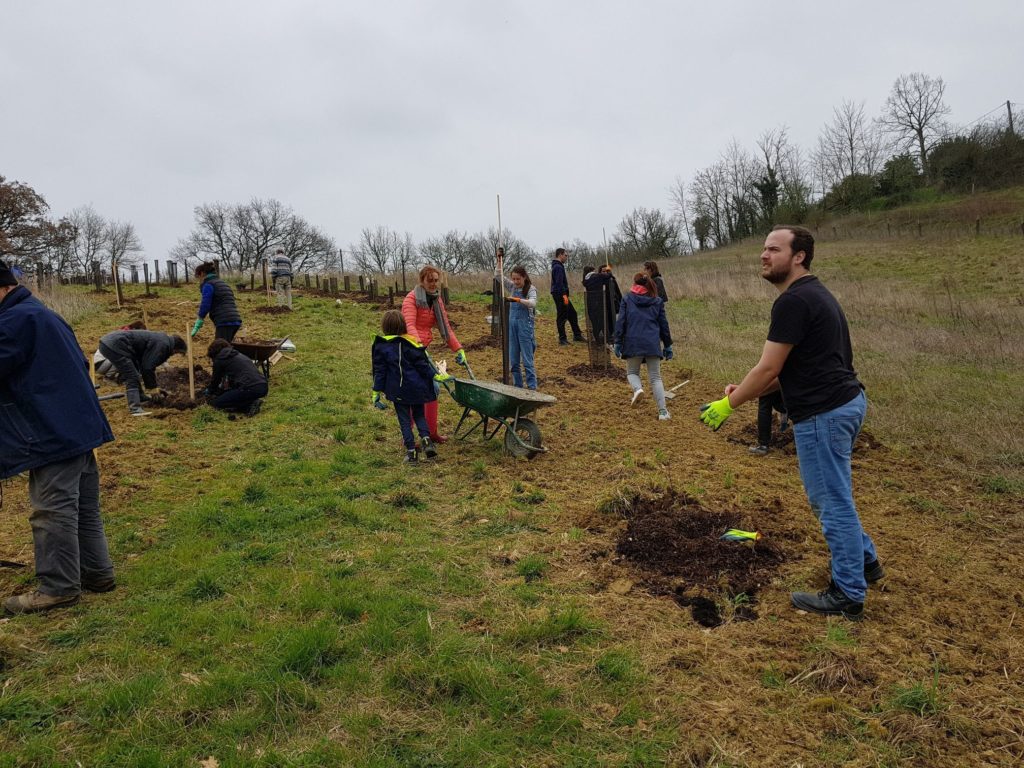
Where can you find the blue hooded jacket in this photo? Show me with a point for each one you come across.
(48, 406)
(642, 327)
(402, 370)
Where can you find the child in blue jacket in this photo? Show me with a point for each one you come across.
(404, 374)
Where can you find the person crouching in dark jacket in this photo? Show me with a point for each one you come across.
(136, 354)
(404, 374)
(237, 385)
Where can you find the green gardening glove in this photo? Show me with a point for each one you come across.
(196, 326)
(377, 403)
(714, 414)
(442, 376)
(460, 357)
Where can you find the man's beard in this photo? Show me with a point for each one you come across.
(776, 276)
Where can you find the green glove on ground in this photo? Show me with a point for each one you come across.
(714, 414)
(460, 357)
(196, 326)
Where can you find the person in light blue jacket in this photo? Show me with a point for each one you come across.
(522, 341)
(642, 336)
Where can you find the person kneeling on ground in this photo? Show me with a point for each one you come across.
(50, 422)
(243, 386)
(404, 373)
(136, 354)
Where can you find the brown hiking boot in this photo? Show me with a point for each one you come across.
(36, 602)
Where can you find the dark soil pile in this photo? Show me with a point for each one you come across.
(272, 310)
(175, 382)
(785, 443)
(677, 546)
(484, 342)
(586, 373)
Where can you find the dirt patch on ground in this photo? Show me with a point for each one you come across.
(272, 310)
(784, 442)
(484, 342)
(676, 546)
(175, 382)
(585, 372)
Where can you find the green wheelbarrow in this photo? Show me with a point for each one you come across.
(507, 406)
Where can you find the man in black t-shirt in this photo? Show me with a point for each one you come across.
(809, 357)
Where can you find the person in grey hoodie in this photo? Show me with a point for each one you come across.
(136, 355)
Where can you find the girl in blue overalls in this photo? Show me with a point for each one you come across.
(522, 298)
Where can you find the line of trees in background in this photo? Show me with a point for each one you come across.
(907, 153)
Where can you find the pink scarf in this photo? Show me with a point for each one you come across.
(638, 289)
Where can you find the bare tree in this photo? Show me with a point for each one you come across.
(90, 238)
(212, 234)
(648, 233)
(516, 251)
(677, 195)
(122, 243)
(452, 252)
(914, 114)
(849, 145)
(708, 195)
(378, 250)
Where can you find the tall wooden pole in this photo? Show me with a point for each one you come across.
(117, 284)
(506, 368)
(266, 280)
(191, 373)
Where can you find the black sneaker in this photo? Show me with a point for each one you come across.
(99, 585)
(254, 408)
(411, 457)
(873, 571)
(829, 602)
(563, 342)
(428, 448)
(578, 338)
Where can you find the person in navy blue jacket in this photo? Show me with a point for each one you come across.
(564, 310)
(218, 301)
(404, 374)
(50, 422)
(642, 336)
(235, 384)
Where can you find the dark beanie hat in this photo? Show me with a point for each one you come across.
(7, 274)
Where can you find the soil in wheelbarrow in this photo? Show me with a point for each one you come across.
(674, 544)
(175, 381)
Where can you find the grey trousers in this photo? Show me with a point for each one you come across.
(283, 286)
(653, 374)
(67, 531)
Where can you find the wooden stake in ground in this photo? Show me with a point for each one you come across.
(145, 318)
(92, 371)
(117, 284)
(266, 281)
(191, 373)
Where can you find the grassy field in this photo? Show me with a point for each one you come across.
(291, 595)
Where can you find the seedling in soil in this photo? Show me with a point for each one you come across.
(340, 435)
(254, 494)
(479, 470)
(772, 678)
(920, 698)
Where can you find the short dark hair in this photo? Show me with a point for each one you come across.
(559, 252)
(803, 240)
(393, 324)
(216, 346)
(179, 343)
(206, 268)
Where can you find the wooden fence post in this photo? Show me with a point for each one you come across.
(191, 373)
(145, 276)
(348, 283)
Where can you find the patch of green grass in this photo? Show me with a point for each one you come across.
(922, 698)
(406, 500)
(478, 470)
(532, 567)
(559, 626)
(999, 484)
(772, 678)
(254, 493)
(204, 587)
(616, 665)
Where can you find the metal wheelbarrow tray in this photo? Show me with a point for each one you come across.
(260, 351)
(504, 404)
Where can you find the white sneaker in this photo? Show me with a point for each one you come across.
(664, 415)
(636, 395)
(139, 412)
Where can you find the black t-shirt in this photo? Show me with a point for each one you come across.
(818, 374)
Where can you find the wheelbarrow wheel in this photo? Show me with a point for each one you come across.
(526, 431)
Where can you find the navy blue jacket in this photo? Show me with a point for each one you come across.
(642, 327)
(402, 370)
(219, 301)
(559, 282)
(48, 406)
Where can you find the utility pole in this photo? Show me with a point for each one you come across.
(1009, 116)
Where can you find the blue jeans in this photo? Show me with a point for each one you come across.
(407, 414)
(824, 445)
(521, 345)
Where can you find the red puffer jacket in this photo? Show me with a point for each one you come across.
(420, 323)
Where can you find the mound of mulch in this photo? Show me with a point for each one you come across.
(784, 442)
(272, 310)
(175, 382)
(585, 372)
(484, 342)
(676, 545)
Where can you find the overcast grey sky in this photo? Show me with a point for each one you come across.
(415, 114)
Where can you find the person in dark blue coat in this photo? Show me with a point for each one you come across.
(236, 385)
(564, 310)
(404, 374)
(642, 336)
(218, 301)
(50, 422)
